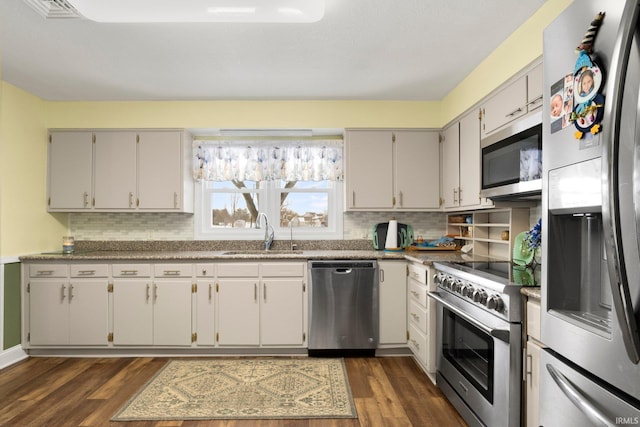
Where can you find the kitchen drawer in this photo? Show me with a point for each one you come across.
(89, 270)
(131, 270)
(533, 319)
(206, 270)
(282, 269)
(418, 344)
(172, 270)
(418, 316)
(238, 269)
(48, 270)
(418, 272)
(418, 292)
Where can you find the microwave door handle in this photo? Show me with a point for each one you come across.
(501, 334)
(580, 401)
(620, 291)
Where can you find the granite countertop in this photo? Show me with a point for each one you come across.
(531, 292)
(240, 254)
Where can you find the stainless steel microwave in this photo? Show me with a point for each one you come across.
(512, 160)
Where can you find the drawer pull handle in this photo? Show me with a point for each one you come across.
(415, 316)
(129, 272)
(44, 272)
(171, 272)
(415, 294)
(86, 272)
(415, 344)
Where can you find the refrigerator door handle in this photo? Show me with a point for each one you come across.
(580, 401)
(621, 294)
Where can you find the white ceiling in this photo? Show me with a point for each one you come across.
(361, 50)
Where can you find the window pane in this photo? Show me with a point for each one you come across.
(306, 209)
(234, 210)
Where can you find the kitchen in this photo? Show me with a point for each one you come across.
(30, 117)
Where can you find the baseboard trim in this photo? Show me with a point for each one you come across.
(12, 355)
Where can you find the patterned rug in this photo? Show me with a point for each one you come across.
(252, 388)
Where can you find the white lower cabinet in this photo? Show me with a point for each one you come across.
(228, 304)
(282, 313)
(265, 309)
(152, 311)
(238, 312)
(393, 303)
(421, 315)
(67, 311)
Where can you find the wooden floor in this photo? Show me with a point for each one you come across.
(56, 392)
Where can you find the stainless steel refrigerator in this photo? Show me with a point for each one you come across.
(589, 372)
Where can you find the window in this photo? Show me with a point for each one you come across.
(236, 181)
(308, 209)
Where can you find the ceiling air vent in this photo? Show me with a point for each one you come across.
(54, 9)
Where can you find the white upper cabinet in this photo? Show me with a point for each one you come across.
(70, 165)
(162, 181)
(461, 171)
(392, 170)
(369, 170)
(451, 166)
(417, 172)
(513, 100)
(115, 170)
(121, 171)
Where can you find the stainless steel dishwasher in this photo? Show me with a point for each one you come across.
(343, 313)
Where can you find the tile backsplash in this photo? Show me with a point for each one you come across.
(177, 226)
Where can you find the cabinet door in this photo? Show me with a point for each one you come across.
(88, 312)
(369, 170)
(470, 180)
(450, 164)
(534, 88)
(532, 383)
(393, 302)
(417, 171)
(172, 312)
(281, 313)
(505, 106)
(132, 312)
(205, 312)
(159, 170)
(70, 166)
(115, 170)
(48, 312)
(238, 312)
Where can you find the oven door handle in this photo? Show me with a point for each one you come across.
(501, 334)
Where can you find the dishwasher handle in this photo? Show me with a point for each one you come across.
(343, 270)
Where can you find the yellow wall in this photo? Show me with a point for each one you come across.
(25, 225)
(519, 50)
(245, 114)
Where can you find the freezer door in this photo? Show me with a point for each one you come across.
(569, 398)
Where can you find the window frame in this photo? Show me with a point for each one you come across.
(269, 192)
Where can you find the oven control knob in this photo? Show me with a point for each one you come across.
(480, 296)
(449, 282)
(437, 278)
(457, 287)
(467, 291)
(495, 303)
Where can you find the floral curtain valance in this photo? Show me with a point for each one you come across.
(264, 160)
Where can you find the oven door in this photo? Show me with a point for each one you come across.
(478, 362)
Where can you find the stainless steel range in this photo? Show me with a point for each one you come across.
(479, 324)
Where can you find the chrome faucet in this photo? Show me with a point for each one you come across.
(268, 230)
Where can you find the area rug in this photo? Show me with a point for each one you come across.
(251, 388)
